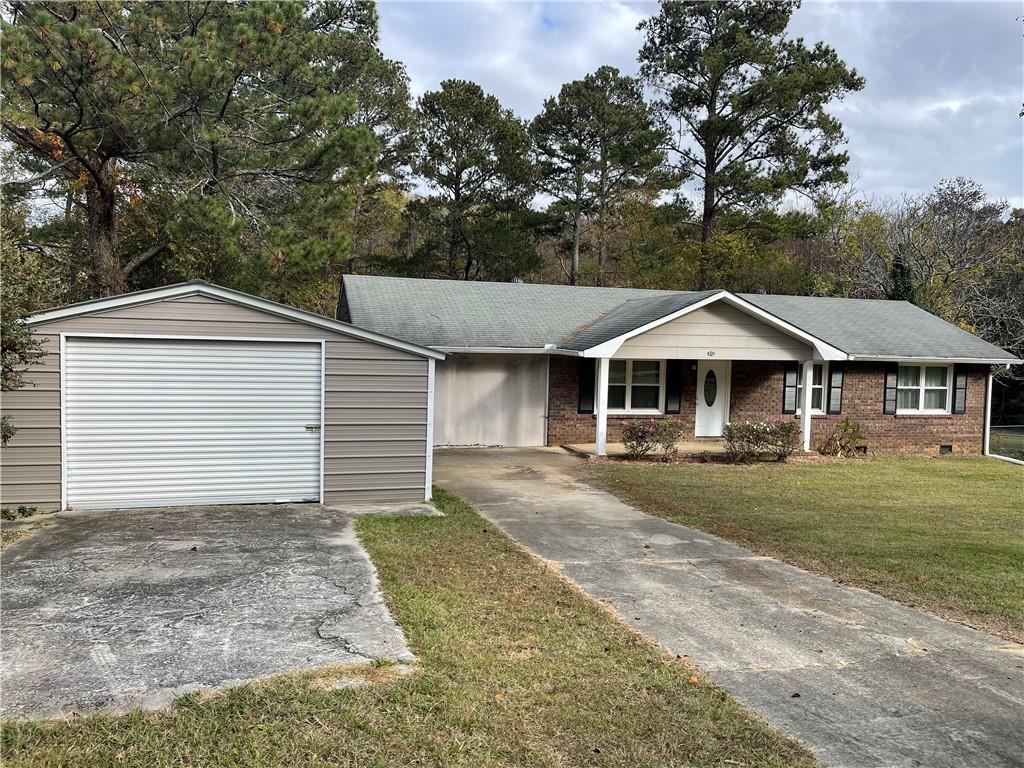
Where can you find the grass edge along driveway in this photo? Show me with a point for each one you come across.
(517, 668)
(946, 535)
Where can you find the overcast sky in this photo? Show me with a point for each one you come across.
(944, 80)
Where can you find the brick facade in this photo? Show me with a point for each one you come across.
(566, 426)
(756, 393)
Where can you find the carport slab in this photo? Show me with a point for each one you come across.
(110, 611)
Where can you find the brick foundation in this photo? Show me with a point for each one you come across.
(757, 394)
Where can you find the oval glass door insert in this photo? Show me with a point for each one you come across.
(710, 388)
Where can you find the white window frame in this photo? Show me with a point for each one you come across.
(823, 387)
(922, 388)
(629, 390)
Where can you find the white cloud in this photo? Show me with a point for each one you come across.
(944, 80)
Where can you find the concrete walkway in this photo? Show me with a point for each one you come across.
(861, 680)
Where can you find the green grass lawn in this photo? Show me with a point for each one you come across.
(516, 668)
(1007, 441)
(946, 535)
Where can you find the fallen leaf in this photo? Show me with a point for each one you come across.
(693, 680)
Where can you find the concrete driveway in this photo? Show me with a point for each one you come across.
(124, 609)
(861, 680)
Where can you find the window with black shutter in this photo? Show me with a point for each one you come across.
(959, 389)
(587, 379)
(835, 388)
(790, 384)
(674, 372)
(892, 373)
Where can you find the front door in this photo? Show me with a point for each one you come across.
(712, 397)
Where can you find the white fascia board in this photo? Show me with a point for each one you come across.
(936, 360)
(552, 350)
(236, 297)
(823, 350)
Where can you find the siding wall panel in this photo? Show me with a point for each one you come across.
(355, 368)
(727, 332)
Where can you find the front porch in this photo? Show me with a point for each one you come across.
(705, 396)
(704, 365)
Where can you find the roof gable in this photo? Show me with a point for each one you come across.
(639, 316)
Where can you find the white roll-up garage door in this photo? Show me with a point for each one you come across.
(155, 422)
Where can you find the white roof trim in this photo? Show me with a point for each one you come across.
(551, 349)
(237, 297)
(940, 360)
(823, 350)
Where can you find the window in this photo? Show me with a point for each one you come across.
(817, 389)
(923, 389)
(636, 386)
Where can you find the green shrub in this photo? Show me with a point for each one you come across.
(843, 440)
(24, 511)
(7, 514)
(638, 436)
(749, 440)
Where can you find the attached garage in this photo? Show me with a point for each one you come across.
(195, 394)
(492, 400)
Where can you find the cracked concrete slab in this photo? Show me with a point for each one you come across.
(110, 611)
(863, 681)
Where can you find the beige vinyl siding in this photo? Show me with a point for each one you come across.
(375, 416)
(727, 332)
(30, 463)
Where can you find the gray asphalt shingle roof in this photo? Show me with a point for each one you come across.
(631, 314)
(453, 313)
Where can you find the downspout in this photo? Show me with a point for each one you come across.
(988, 414)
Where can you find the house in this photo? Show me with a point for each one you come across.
(195, 394)
(552, 364)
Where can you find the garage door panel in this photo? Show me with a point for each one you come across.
(161, 422)
(486, 399)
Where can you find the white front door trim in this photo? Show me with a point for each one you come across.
(709, 419)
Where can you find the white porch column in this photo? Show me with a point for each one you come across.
(601, 406)
(805, 405)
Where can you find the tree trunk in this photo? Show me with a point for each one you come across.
(574, 270)
(707, 227)
(108, 277)
(353, 251)
(601, 204)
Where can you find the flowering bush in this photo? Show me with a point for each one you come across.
(666, 435)
(748, 440)
(642, 436)
(639, 437)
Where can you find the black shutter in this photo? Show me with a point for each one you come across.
(790, 379)
(892, 375)
(959, 388)
(587, 379)
(835, 388)
(674, 385)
